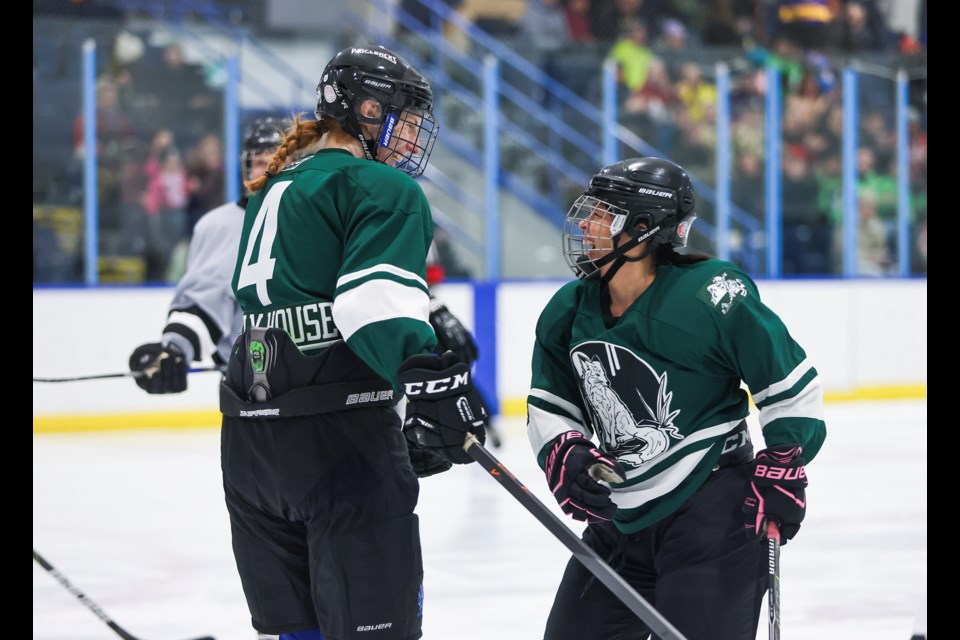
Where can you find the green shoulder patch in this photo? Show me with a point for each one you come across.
(723, 293)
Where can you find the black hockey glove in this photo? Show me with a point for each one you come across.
(777, 491)
(163, 368)
(425, 462)
(573, 467)
(442, 405)
(451, 334)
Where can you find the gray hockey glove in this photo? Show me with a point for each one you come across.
(451, 334)
(442, 405)
(163, 368)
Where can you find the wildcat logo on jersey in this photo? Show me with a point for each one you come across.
(628, 402)
(723, 293)
(296, 163)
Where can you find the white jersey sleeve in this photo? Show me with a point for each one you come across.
(204, 318)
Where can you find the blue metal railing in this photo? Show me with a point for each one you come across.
(602, 122)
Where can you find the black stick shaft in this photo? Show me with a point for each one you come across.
(773, 593)
(82, 597)
(62, 579)
(587, 556)
(125, 374)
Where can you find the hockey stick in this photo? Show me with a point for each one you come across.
(89, 603)
(125, 374)
(773, 592)
(587, 556)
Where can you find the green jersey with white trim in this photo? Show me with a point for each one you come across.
(661, 388)
(334, 248)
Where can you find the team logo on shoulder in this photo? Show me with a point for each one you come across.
(723, 293)
(629, 403)
(296, 163)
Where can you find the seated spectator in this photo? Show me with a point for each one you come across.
(174, 94)
(747, 91)
(881, 182)
(695, 93)
(877, 133)
(728, 24)
(696, 139)
(164, 203)
(633, 56)
(747, 133)
(804, 108)
(608, 17)
(748, 184)
(578, 20)
(542, 33)
(650, 111)
(873, 247)
(829, 174)
(206, 178)
(859, 33)
(673, 35)
(806, 229)
(113, 130)
(542, 29)
(671, 46)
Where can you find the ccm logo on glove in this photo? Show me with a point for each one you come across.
(430, 387)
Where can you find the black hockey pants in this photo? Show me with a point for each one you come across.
(697, 568)
(321, 503)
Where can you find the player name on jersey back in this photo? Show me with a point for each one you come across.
(310, 325)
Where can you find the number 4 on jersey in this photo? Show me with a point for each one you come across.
(265, 230)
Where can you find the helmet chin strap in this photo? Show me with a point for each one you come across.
(618, 259)
(369, 146)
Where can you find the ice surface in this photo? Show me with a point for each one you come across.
(135, 520)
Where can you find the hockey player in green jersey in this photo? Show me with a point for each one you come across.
(637, 414)
(331, 280)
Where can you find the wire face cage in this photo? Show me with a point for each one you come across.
(588, 233)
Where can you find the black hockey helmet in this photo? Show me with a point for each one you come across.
(261, 135)
(405, 118)
(649, 200)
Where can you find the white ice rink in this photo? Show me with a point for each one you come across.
(135, 520)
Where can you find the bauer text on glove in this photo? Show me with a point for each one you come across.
(777, 491)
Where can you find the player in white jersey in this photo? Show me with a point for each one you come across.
(204, 318)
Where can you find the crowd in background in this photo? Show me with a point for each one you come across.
(666, 52)
(160, 156)
(161, 161)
